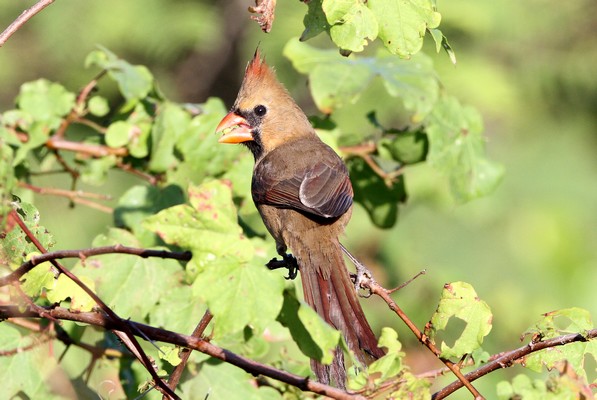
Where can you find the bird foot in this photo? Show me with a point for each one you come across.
(288, 261)
(363, 279)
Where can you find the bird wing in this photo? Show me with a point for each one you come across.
(322, 188)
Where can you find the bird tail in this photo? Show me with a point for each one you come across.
(328, 289)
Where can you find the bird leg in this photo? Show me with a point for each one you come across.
(363, 274)
(288, 261)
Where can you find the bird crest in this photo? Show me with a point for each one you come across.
(257, 66)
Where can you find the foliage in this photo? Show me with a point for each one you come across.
(194, 195)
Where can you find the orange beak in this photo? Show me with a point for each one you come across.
(239, 129)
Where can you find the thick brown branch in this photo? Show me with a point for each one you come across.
(162, 335)
(22, 19)
(122, 328)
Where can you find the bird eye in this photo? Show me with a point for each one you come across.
(260, 110)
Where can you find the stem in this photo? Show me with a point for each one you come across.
(22, 19)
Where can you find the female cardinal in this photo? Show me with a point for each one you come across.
(303, 193)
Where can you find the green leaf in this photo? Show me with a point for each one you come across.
(95, 171)
(441, 42)
(315, 338)
(388, 366)
(459, 300)
(25, 373)
(98, 106)
(218, 380)
(352, 23)
(457, 148)
(7, 181)
(402, 23)
(336, 81)
(45, 101)
(170, 122)
(17, 119)
(169, 354)
(118, 134)
(203, 156)
(16, 245)
(406, 147)
(142, 124)
(228, 276)
(39, 278)
(131, 285)
(139, 202)
(563, 386)
(238, 294)
(176, 313)
(561, 322)
(249, 342)
(38, 134)
(315, 21)
(208, 228)
(383, 207)
(65, 288)
(134, 81)
(132, 133)
(557, 323)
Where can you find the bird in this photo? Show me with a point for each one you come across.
(304, 195)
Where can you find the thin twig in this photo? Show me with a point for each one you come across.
(152, 179)
(424, 339)
(71, 194)
(39, 340)
(94, 150)
(365, 151)
(84, 253)
(75, 196)
(186, 352)
(93, 125)
(22, 19)
(78, 111)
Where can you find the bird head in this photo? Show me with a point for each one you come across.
(264, 115)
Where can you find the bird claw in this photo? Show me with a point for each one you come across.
(288, 261)
(362, 280)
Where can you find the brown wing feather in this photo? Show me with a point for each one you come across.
(326, 190)
(322, 188)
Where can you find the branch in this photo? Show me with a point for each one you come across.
(122, 328)
(508, 358)
(84, 253)
(75, 196)
(364, 151)
(94, 150)
(377, 289)
(177, 339)
(24, 17)
(185, 353)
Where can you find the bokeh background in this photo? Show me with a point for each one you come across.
(530, 69)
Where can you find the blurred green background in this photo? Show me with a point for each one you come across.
(529, 67)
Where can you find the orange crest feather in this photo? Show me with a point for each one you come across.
(257, 67)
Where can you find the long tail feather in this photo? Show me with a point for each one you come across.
(329, 290)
